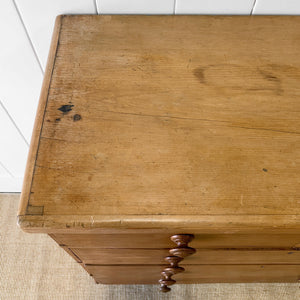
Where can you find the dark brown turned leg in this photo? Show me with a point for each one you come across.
(177, 255)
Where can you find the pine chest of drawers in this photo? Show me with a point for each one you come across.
(168, 148)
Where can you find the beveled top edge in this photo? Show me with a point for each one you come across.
(193, 224)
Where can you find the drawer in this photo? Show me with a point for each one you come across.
(196, 274)
(202, 256)
(163, 240)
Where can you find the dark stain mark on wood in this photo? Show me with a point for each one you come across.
(199, 73)
(265, 170)
(270, 77)
(290, 252)
(228, 76)
(76, 117)
(57, 120)
(66, 108)
(35, 210)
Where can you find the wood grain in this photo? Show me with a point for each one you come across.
(197, 273)
(150, 126)
(152, 241)
(126, 256)
(164, 118)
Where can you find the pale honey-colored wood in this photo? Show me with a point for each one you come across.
(155, 126)
(126, 256)
(167, 122)
(273, 224)
(196, 273)
(150, 241)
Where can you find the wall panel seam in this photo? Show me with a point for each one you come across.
(253, 7)
(14, 123)
(4, 167)
(96, 7)
(28, 36)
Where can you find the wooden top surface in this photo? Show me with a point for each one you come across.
(156, 121)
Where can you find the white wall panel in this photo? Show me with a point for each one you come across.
(13, 149)
(10, 185)
(277, 7)
(20, 74)
(135, 6)
(3, 172)
(39, 17)
(214, 7)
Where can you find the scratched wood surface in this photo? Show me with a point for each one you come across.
(167, 118)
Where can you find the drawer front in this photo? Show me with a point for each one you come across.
(163, 240)
(156, 256)
(196, 274)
